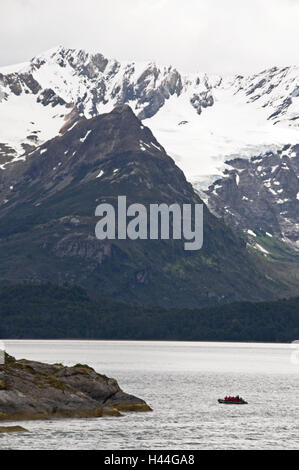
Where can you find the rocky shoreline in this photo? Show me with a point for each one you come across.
(34, 390)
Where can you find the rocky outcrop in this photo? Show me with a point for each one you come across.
(34, 390)
(6, 429)
(202, 100)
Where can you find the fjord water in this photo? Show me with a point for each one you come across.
(181, 381)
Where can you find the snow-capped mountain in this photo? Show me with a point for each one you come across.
(40, 98)
(203, 121)
(221, 116)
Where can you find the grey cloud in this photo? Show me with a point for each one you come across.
(216, 36)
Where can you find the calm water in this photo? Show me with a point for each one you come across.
(181, 381)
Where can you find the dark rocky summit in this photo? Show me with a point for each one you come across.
(34, 390)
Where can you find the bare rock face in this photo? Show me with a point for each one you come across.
(34, 390)
(261, 194)
(202, 100)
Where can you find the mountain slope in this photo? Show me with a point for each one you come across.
(47, 222)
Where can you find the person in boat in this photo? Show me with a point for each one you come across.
(229, 398)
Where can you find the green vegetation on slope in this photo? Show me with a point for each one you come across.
(48, 311)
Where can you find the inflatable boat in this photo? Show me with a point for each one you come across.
(233, 402)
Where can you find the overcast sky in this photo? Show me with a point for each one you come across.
(221, 36)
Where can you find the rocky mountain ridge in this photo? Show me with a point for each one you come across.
(64, 80)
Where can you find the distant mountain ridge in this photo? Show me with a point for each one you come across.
(91, 84)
